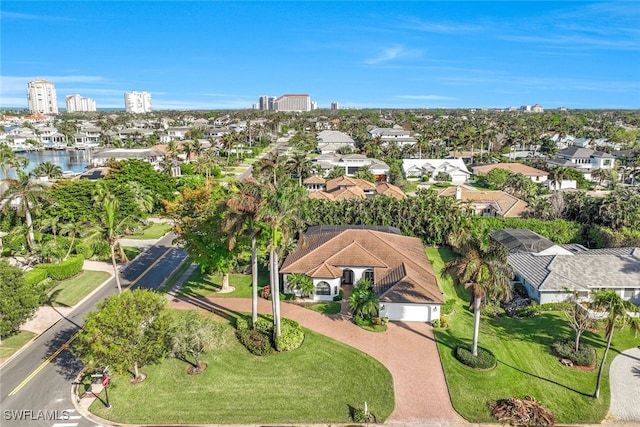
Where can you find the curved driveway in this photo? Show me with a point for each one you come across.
(624, 376)
(408, 350)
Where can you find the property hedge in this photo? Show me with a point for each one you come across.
(484, 360)
(63, 270)
(35, 276)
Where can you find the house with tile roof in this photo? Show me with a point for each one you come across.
(554, 273)
(345, 187)
(486, 202)
(330, 141)
(535, 175)
(338, 256)
(352, 163)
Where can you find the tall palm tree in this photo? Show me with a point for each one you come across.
(270, 165)
(27, 196)
(300, 165)
(242, 217)
(281, 210)
(484, 270)
(110, 229)
(72, 229)
(558, 174)
(617, 314)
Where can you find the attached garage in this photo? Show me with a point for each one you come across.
(410, 312)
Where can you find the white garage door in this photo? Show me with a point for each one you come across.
(406, 312)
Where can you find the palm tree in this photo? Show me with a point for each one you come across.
(271, 164)
(243, 217)
(9, 161)
(27, 196)
(557, 174)
(48, 169)
(300, 165)
(110, 229)
(301, 282)
(364, 302)
(617, 311)
(481, 268)
(72, 229)
(142, 196)
(282, 212)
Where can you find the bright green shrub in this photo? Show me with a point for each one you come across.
(444, 323)
(339, 296)
(435, 323)
(484, 360)
(83, 249)
(65, 269)
(291, 336)
(242, 324)
(448, 306)
(35, 276)
(585, 356)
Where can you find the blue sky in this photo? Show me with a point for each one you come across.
(418, 54)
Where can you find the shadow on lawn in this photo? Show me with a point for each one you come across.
(544, 379)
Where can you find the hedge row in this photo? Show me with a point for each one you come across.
(63, 270)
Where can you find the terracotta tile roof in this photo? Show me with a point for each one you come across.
(348, 193)
(325, 271)
(390, 190)
(508, 206)
(320, 195)
(314, 179)
(511, 167)
(402, 270)
(347, 181)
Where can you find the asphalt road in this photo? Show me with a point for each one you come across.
(35, 387)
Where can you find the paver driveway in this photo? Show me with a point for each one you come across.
(408, 350)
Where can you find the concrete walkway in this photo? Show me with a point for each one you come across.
(624, 377)
(408, 350)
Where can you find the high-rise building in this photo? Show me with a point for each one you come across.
(334, 105)
(137, 102)
(292, 102)
(265, 103)
(77, 103)
(41, 97)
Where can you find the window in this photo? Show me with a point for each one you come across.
(323, 288)
(368, 274)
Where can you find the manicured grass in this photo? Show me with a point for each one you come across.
(206, 285)
(525, 363)
(130, 251)
(69, 292)
(155, 230)
(313, 384)
(14, 343)
(332, 307)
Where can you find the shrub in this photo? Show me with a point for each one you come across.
(291, 337)
(339, 296)
(361, 415)
(35, 276)
(254, 341)
(83, 249)
(377, 321)
(435, 323)
(242, 324)
(444, 323)
(266, 292)
(448, 306)
(585, 356)
(519, 289)
(265, 326)
(535, 309)
(63, 270)
(484, 360)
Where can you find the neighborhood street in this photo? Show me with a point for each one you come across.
(36, 384)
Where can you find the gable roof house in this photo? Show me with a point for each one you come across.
(585, 160)
(431, 168)
(352, 163)
(486, 202)
(553, 273)
(330, 141)
(338, 256)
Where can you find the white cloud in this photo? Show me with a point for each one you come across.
(392, 53)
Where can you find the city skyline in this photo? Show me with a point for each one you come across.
(225, 55)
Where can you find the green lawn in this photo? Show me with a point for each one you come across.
(205, 285)
(155, 230)
(525, 363)
(10, 345)
(313, 384)
(332, 307)
(69, 292)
